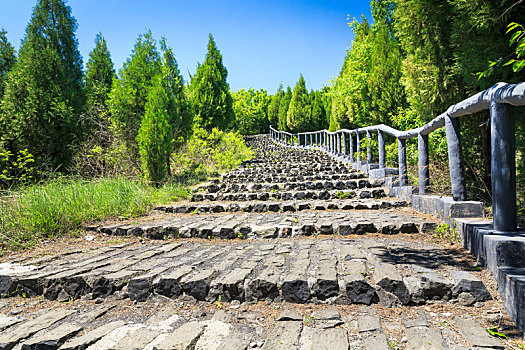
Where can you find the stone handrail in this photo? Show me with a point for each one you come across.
(503, 159)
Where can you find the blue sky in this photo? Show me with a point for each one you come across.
(262, 42)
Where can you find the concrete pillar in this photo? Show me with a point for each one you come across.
(368, 147)
(338, 143)
(503, 165)
(351, 143)
(423, 163)
(358, 148)
(402, 159)
(381, 146)
(455, 159)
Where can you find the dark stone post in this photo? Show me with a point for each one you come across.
(455, 159)
(402, 159)
(358, 147)
(423, 163)
(381, 146)
(368, 147)
(351, 143)
(503, 165)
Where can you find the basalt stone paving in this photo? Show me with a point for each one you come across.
(162, 323)
(290, 251)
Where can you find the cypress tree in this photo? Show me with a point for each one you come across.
(318, 112)
(155, 132)
(99, 74)
(210, 93)
(43, 96)
(299, 112)
(7, 59)
(273, 109)
(127, 99)
(283, 109)
(181, 117)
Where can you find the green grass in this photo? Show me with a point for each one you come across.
(61, 206)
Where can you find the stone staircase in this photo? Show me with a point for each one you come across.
(291, 230)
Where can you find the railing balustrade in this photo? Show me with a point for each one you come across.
(503, 159)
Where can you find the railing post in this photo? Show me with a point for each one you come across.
(368, 148)
(503, 165)
(338, 143)
(358, 147)
(402, 159)
(423, 163)
(344, 144)
(351, 148)
(381, 146)
(455, 159)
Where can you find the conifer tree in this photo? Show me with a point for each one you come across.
(318, 112)
(299, 112)
(273, 109)
(155, 132)
(210, 93)
(283, 109)
(99, 74)
(127, 99)
(44, 96)
(181, 117)
(7, 59)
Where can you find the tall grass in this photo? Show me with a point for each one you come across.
(63, 205)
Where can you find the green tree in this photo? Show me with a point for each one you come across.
(43, 96)
(155, 132)
(251, 111)
(273, 109)
(318, 119)
(99, 74)
(7, 59)
(128, 96)
(300, 112)
(210, 93)
(283, 109)
(181, 117)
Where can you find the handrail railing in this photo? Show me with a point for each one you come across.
(503, 159)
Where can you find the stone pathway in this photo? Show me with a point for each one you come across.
(263, 258)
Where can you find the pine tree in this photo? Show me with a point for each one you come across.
(299, 112)
(283, 109)
(43, 96)
(127, 99)
(7, 59)
(155, 132)
(210, 93)
(273, 109)
(99, 74)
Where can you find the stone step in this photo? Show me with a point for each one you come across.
(342, 271)
(275, 225)
(281, 206)
(290, 195)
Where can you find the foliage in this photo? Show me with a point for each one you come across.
(63, 205)
(99, 75)
(299, 111)
(128, 96)
(283, 109)
(251, 111)
(518, 38)
(7, 59)
(273, 109)
(43, 95)
(210, 93)
(209, 153)
(155, 133)
(16, 170)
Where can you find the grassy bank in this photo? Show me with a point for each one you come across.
(62, 206)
